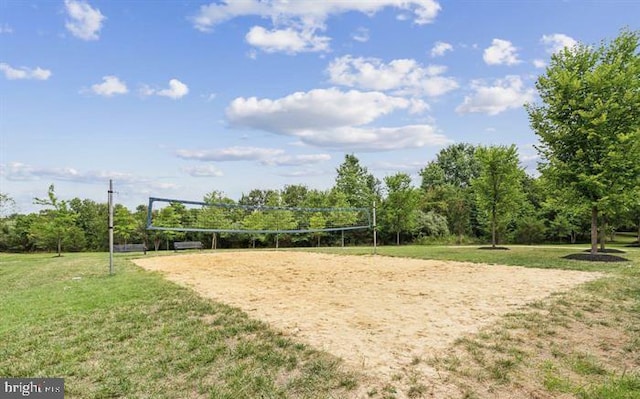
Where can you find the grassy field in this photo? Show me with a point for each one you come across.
(135, 335)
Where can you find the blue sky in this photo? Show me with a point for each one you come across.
(179, 98)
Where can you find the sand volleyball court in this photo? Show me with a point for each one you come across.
(377, 313)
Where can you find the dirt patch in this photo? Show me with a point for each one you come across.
(377, 313)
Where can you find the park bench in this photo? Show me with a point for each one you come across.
(187, 245)
(130, 248)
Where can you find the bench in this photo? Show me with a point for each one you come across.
(187, 245)
(130, 248)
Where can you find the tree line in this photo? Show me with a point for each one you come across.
(588, 126)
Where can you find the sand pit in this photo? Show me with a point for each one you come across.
(377, 313)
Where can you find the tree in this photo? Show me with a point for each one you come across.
(91, 218)
(354, 180)
(57, 224)
(216, 216)
(401, 204)
(337, 199)
(169, 217)
(318, 221)
(589, 123)
(455, 165)
(294, 195)
(431, 224)
(498, 187)
(124, 223)
(255, 221)
(7, 206)
(446, 182)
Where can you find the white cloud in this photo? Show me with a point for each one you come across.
(332, 118)
(538, 63)
(12, 73)
(321, 108)
(504, 94)
(302, 173)
(557, 42)
(85, 21)
(402, 76)
(501, 52)
(231, 154)
(17, 171)
(176, 90)
(5, 28)
(295, 23)
(440, 48)
(376, 138)
(203, 171)
(110, 86)
(297, 160)
(308, 12)
(361, 35)
(266, 156)
(286, 40)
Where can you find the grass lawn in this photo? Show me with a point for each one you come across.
(136, 335)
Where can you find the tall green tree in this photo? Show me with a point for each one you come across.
(400, 206)
(455, 165)
(169, 217)
(56, 224)
(360, 187)
(498, 187)
(7, 207)
(124, 223)
(318, 221)
(216, 216)
(589, 123)
(446, 182)
(92, 218)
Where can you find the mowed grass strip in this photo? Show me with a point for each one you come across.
(136, 335)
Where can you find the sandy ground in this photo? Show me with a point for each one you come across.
(377, 313)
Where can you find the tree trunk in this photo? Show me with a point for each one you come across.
(397, 238)
(343, 237)
(493, 228)
(318, 240)
(59, 247)
(277, 241)
(603, 236)
(638, 230)
(214, 241)
(594, 230)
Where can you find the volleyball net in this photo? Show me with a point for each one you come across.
(196, 216)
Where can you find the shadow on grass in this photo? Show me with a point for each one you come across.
(596, 258)
(608, 251)
(495, 248)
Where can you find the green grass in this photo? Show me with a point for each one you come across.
(136, 335)
(544, 257)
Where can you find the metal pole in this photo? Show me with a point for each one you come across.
(375, 230)
(110, 205)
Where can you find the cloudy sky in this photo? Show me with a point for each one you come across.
(178, 98)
